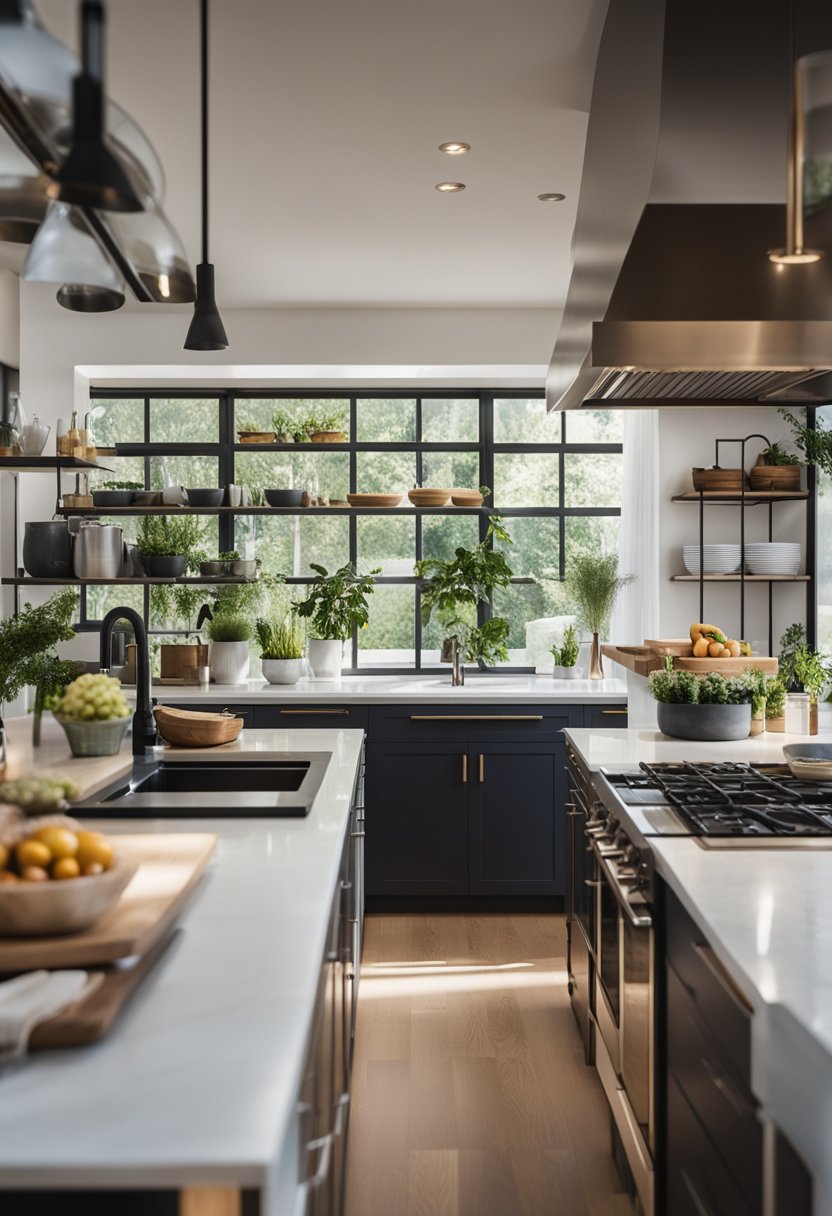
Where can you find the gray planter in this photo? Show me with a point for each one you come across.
(708, 723)
(163, 566)
(565, 673)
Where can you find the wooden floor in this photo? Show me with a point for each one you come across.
(470, 1092)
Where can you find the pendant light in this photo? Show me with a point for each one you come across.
(66, 252)
(206, 331)
(91, 176)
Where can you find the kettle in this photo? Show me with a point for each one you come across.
(100, 551)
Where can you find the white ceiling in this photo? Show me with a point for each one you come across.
(325, 123)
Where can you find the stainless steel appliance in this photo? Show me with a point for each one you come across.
(100, 551)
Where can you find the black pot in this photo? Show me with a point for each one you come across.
(112, 498)
(710, 723)
(205, 498)
(163, 567)
(283, 498)
(47, 549)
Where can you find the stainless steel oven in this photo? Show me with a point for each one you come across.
(581, 889)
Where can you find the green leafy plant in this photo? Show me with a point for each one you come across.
(119, 485)
(811, 672)
(231, 555)
(593, 584)
(334, 421)
(228, 627)
(776, 454)
(337, 602)
(453, 589)
(7, 435)
(684, 688)
(27, 639)
(566, 655)
(281, 638)
(755, 681)
(775, 697)
(793, 639)
(167, 535)
(283, 424)
(814, 442)
(249, 427)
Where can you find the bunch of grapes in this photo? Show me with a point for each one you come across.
(92, 698)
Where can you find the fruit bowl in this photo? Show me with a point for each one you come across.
(45, 909)
(94, 738)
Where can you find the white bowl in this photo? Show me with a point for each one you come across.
(716, 559)
(764, 557)
(46, 909)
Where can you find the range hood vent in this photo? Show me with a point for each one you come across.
(689, 309)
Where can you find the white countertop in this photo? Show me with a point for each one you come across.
(197, 1081)
(768, 915)
(385, 690)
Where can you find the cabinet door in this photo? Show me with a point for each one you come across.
(516, 846)
(605, 716)
(417, 819)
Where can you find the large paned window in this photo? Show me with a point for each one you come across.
(556, 480)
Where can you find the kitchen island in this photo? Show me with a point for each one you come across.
(766, 914)
(197, 1085)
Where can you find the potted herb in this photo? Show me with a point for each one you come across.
(713, 709)
(775, 704)
(794, 639)
(566, 655)
(26, 644)
(115, 493)
(776, 469)
(165, 543)
(228, 655)
(325, 428)
(593, 584)
(94, 714)
(250, 432)
(812, 676)
(8, 439)
(757, 684)
(336, 604)
(282, 645)
(284, 426)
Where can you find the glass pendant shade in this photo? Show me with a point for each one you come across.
(65, 252)
(155, 252)
(22, 208)
(206, 331)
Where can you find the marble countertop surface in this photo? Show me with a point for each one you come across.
(611, 748)
(54, 759)
(197, 1082)
(381, 690)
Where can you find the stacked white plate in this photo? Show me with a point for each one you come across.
(772, 558)
(717, 559)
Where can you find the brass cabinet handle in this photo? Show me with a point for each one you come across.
(481, 768)
(464, 768)
(591, 882)
(341, 712)
(614, 711)
(475, 717)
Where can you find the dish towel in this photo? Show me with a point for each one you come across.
(32, 998)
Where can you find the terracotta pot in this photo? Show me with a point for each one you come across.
(776, 724)
(758, 724)
(327, 437)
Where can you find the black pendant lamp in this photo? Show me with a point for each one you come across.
(206, 330)
(91, 176)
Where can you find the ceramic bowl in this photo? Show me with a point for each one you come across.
(45, 909)
(809, 761)
(283, 498)
(205, 498)
(173, 496)
(95, 738)
(112, 498)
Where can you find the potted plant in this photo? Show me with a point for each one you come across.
(454, 589)
(165, 543)
(228, 655)
(8, 439)
(250, 432)
(813, 442)
(757, 684)
(775, 704)
(812, 676)
(566, 655)
(282, 645)
(94, 714)
(776, 469)
(26, 643)
(336, 604)
(593, 584)
(115, 493)
(713, 709)
(325, 428)
(284, 426)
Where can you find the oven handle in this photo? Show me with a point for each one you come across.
(640, 920)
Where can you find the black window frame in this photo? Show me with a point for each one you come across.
(231, 404)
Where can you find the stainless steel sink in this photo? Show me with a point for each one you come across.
(213, 789)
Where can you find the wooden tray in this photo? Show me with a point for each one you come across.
(89, 1020)
(170, 866)
(728, 667)
(674, 646)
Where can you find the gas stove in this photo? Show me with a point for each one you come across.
(721, 805)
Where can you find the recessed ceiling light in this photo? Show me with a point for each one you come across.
(455, 148)
(551, 198)
(449, 187)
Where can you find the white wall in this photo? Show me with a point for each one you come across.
(686, 440)
(9, 318)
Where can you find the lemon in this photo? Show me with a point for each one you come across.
(93, 848)
(34, 874)
(66, 867)
(60, 842)
(32, 853)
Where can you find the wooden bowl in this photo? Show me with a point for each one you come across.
(256, 436)
(374, 500)
(44, 909)
(775, 477)
(189, 728)
(429, 497)
(725, 481)
(466, 498)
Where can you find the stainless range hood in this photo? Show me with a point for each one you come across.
(694, 311)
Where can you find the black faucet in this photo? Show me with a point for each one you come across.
(144, 724)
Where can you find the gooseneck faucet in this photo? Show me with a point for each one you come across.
(144, 724)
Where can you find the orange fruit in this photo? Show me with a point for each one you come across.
(66, 867)
(94, 848)
(32, 853)
(60, 842)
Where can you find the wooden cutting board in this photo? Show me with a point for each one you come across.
(674, 646)
(89, 1020)
(727, 667)
(639, 659)
(169, 867)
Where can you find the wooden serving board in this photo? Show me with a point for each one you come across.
(639, 659)
(727, 667)
(89, 1020)
(169, 867)
(674, 646)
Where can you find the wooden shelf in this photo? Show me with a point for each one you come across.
(751, 498)
(145, 580)
(736, 578)
(48, 464)
(175, 510)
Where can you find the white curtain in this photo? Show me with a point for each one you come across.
(636, 613)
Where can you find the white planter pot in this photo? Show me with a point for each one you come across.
(566, 673)
(282, 671)
(325, 658)
(228, 662)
